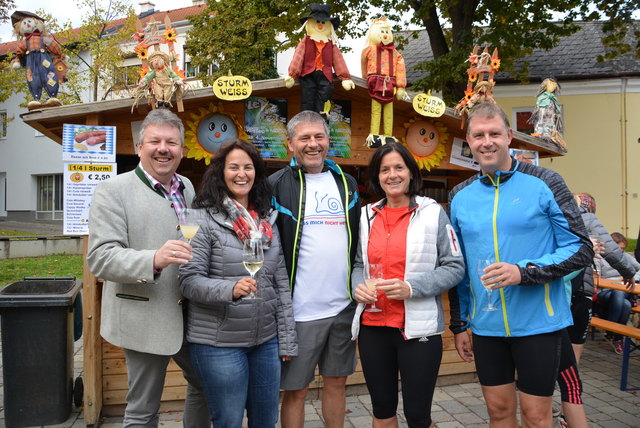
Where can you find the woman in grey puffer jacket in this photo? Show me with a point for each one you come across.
(235, 341)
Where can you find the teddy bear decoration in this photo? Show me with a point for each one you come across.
(315, 59)
(383, 68)
(41, 56)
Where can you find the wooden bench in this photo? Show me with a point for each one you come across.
(629, 346)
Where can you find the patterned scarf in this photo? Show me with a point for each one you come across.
(247, 224)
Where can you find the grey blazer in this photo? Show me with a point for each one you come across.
(128, 222)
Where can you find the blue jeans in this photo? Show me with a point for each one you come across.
(616, 307)
(237, 378)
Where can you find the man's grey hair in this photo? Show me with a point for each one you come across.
(161, 116)
(307, 116)
(487, 110)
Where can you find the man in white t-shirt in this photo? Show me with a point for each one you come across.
(318, 220)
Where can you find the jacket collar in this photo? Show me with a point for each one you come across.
(328, 165)
(500, 176)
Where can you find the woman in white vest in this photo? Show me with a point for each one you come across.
(409, 238)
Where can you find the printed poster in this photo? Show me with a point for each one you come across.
(266, 124)
(461, 154)
(340, 129)
(85, 143)
(79, 182)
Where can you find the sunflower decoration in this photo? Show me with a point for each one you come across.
(179, 72)
(426, 141)
(142, 52)
(473, 75)
(208, 129)
(170, 34)
(143, 71)
(495, 64)
(468, 94)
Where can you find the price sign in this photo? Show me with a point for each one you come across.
(80, 181)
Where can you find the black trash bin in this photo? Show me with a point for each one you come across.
(37, 350)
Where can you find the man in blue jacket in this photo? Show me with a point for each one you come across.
(524, 218)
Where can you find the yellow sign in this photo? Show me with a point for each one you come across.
(89, 168)
(428, 105)
(232, 88)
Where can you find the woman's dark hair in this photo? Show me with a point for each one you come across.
(415, 185)
(213, 188)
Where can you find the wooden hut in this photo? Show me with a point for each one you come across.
(105, 376)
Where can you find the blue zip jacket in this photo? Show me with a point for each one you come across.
(525, 216)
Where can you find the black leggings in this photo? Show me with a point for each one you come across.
(568, 375)
(383, 352)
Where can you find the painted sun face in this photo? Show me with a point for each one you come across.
(381, 33)
(423, 138)
(214, 130)
(318, 28)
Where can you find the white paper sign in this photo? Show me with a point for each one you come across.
(80, 181)
(461, 155)
(85, 143)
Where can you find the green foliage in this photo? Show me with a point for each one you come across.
(11, 81)
(5, 8)
(235, 34)
(95, 48)
(6, 232)
(12, 270)
(106, 26)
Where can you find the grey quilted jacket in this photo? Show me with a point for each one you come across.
(612, 253)
(214, 317)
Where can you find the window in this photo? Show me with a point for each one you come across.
(520, 119)
(192, 71)
(49, 205)
(3, 124)
(126, 76)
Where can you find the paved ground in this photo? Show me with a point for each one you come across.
(460, 406)
(39, 227)
(455, 406)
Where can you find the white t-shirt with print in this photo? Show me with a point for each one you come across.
(321, 278)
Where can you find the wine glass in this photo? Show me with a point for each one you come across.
(189, 224)
(371, 281)
(252, 259)
(482, 265)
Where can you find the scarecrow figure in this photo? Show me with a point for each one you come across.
(383, 67)
(41, 56)
(161, 80)
(547, 116)
(480, 83)
(314, 60)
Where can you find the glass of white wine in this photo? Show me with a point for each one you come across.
(189, 224)
(252, 259)
(371, 279)
(482, 265)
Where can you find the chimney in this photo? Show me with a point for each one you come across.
(146, 6)
(198, 2)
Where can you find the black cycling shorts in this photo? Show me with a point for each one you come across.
(535, 359)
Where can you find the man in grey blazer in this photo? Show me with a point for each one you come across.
(134, 248)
